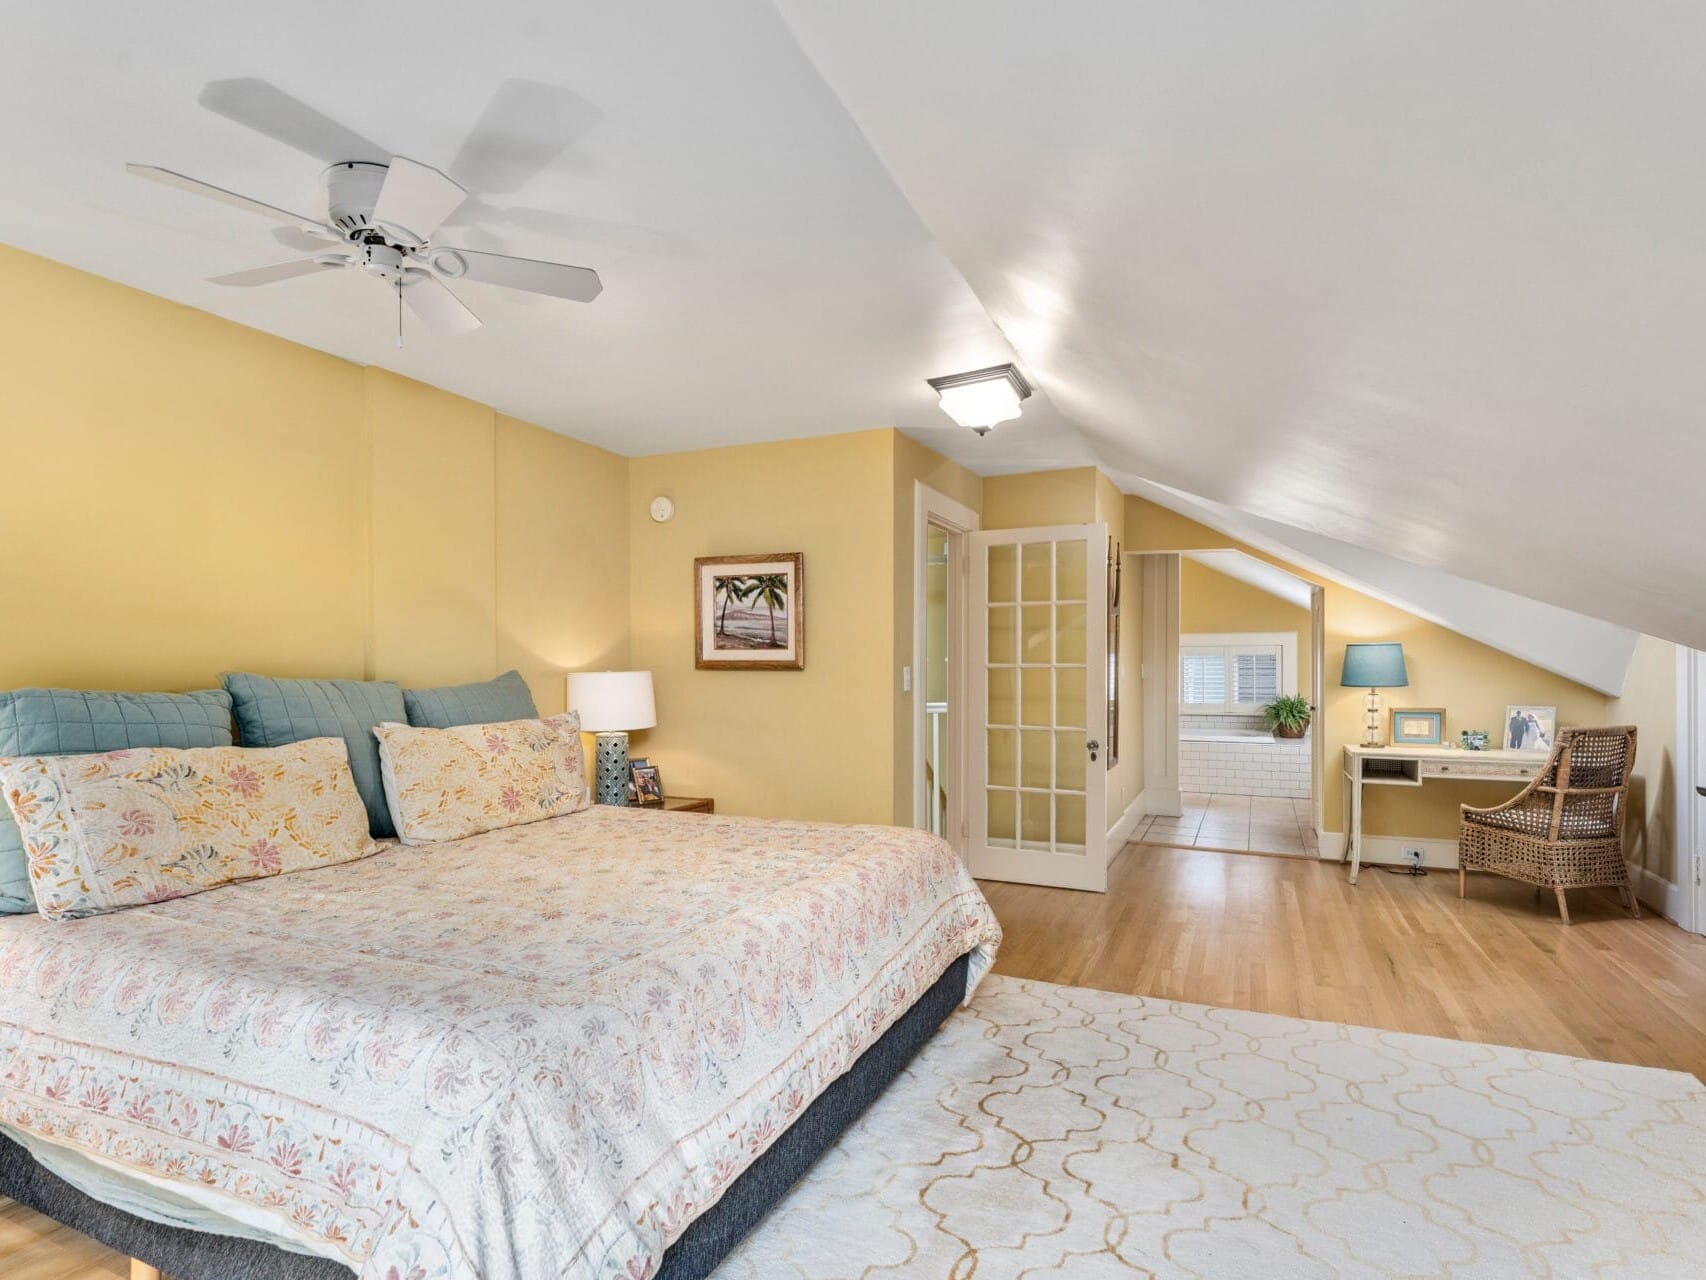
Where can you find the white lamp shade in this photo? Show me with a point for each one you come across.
(612, 701)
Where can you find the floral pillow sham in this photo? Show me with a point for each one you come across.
(145, 825)
(443, 784)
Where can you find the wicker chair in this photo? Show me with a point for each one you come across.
(1565, 829)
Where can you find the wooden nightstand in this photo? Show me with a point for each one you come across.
(688, 804)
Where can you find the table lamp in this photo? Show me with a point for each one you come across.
(610, 704)
(1374, 667)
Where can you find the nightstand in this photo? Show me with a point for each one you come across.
(688, 804)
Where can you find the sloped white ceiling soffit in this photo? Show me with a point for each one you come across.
(1427, 279)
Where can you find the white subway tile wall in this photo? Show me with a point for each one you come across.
(1272, 767)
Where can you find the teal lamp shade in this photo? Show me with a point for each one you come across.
(1374, 666)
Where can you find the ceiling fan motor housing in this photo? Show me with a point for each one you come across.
(352, 192)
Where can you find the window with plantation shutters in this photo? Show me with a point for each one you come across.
(1236, 675)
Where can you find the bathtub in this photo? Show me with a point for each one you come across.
(1242, 759)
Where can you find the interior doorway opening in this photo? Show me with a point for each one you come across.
(937, 675)
(1233, 662)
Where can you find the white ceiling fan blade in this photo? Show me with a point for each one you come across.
(416, 198)
(439, 309)
(578, 284)
(171, 178)
(280, 271)
(272, 112)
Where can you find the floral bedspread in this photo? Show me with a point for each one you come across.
(537, 1052)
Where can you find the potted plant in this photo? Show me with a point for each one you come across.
(1288, 716)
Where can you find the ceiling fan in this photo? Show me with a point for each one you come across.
(382, 218)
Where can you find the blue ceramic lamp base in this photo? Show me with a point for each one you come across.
(611, 768)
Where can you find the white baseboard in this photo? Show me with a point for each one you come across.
(1126, 824)
(1653, 890)
(1163, 802)
(1389, 850)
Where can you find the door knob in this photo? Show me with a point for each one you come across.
(1093, 747)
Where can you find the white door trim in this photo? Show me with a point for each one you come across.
(1159, 667)
(931, 507)
(1687, 906)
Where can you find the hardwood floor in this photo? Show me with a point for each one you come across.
(1292, 936)
(1289, 935)
(36, 1248)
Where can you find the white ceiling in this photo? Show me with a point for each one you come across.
(764, 279)
(1421, 279)
(1255, 573)
(1427, 278)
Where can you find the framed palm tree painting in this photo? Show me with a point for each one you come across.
(749, 612)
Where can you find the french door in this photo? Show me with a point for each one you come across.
(1039, 639)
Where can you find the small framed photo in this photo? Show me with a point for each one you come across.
(647, 785)
(1418, 726)
(749, 612)
(1530, 728)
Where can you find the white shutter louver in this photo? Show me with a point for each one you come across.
(1255, 677)
(1202, 679)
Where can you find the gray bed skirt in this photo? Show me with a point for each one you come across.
(195, 1255)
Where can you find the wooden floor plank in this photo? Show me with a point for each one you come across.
(1293, 936)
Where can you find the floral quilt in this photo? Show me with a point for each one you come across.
(537, 1052)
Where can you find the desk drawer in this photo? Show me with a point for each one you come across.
(1489, 770)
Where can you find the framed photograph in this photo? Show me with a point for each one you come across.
(1418, 726)
(749, 612)
(648, 785)
(633, 795)
(1530, 728)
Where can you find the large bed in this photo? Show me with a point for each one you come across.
(552, 1050)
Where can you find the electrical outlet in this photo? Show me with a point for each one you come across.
(1413, 854)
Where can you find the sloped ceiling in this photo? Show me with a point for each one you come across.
(1426, 279)
(1587, 650)
(1423, 280)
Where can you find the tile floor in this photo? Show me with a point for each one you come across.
(1254, 824)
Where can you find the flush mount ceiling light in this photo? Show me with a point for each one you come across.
(983, 397)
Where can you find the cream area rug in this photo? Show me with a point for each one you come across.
(1057, 1132)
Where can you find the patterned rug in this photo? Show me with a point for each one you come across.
(1054, 1132)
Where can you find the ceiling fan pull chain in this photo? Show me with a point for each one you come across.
(399, 311)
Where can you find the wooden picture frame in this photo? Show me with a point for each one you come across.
(647, 784)
(749, 612)
(1417, 727)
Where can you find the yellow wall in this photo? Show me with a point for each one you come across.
(1040, 498)
(1211, 603)
(817, 743)
(187, 496)
(1472, 681)
(1649, 703)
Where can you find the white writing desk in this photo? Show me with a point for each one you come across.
(1413, 766)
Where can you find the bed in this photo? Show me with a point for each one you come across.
(591, 1046)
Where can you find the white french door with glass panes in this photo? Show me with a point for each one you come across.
(1039, 644)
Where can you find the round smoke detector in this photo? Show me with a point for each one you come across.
(662, 508)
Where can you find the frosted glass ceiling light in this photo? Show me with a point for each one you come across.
(983, 397)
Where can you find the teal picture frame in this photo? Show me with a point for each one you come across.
(1417, 727)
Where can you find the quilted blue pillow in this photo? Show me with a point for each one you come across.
(490, 702)
(272, 712)
(72, 722)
